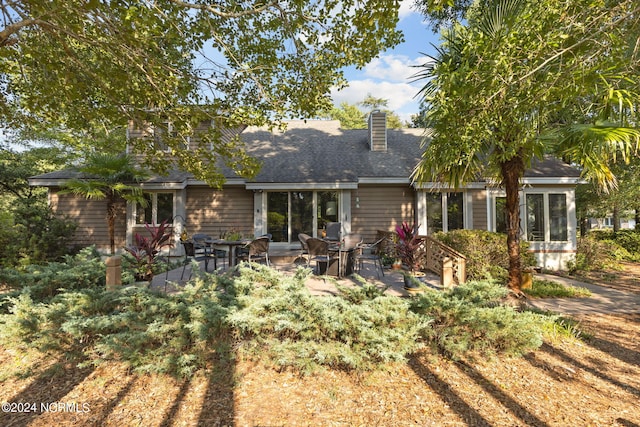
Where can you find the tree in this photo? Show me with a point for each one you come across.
(31, 232)
(108, 177)
(349, 115)
(592, 202)
(524, 78)
(352, 117)
(79, 65)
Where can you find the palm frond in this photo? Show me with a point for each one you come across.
(498, 16)
(595, 147)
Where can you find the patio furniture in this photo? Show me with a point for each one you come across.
(212, 252)
(371, 252)
(257, 249)
(304, 248)
(194, 252)
(333, 231)
(319, 252)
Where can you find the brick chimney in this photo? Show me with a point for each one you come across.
(378, 130)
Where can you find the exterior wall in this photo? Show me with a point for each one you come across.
(91, 218)
(381, 208)
(479, 209)
(214, 212)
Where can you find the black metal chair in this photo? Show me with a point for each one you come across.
(205, 240)
(371, 252)
(194, 252)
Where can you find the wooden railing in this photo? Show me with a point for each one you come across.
(435, 256)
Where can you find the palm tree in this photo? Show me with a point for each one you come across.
(108, 177)
(522, 79)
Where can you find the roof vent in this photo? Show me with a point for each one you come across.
(378, 130)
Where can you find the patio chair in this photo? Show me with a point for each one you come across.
(333, 231)
(371, 252)
(214, 254)
(351, 241)
(194, 252)
(258, 249)
(304, 248)
(319, 252)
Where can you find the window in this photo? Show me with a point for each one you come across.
(434, 212)
(160, 133)
(501, 214)
(558, 217)
(535, 217)
(455, 211)
(445, 211)
(157, 208)
(546, 210)
(163, 132)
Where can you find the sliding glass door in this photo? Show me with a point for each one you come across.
(290, 213)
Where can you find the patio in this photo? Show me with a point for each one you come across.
(318, 285)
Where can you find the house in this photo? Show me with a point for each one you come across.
(315, 172)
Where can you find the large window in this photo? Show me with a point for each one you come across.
(546, 210)
(157, 208)
(445, 211)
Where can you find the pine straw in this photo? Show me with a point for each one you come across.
(593, 381)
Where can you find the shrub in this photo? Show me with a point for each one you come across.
(32, 234)
(470, 319)
(42, 282)
(630, 241)
(265, 314)
(486, 252)
(594, 254)
(281, 320)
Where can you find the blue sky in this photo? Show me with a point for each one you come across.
(389, 75)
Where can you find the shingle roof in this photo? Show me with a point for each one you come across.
(319, 152)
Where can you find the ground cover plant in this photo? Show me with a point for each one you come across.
(552, 289)
(267, 315)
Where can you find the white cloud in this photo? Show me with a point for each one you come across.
(400, 95)
(391, 67)
(406, 8)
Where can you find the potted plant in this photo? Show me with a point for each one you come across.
(146, 249)
(407, 248)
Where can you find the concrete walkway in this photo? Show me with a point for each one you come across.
(602, 301)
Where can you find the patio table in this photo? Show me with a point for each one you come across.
(343, 264)
(231, 244)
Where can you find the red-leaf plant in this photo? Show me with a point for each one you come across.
(408, 245)
(146, 249)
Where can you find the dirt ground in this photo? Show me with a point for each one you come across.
(593, 381)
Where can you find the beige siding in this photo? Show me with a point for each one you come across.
(91, 218)
(214, 212)
(381, 208)
(479, 209)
